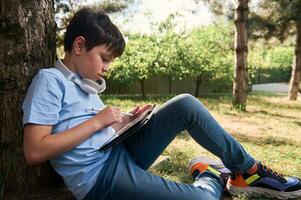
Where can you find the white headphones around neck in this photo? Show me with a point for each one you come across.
(87, 85)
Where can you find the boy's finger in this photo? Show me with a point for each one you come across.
(144, 108)
(135, 110)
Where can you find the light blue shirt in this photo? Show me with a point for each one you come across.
(53, 100)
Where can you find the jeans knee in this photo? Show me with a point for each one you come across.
(185, 97)
(187, 100)
(185, 104)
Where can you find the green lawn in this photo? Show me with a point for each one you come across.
(270, 130)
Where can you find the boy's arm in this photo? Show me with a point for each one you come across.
(39, 145)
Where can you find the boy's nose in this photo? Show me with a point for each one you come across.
(105, 68)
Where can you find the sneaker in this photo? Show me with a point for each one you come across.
(261, 180)
(201, 164)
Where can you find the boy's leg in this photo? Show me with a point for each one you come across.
(180, 113)
(122, 178)
(186, 112)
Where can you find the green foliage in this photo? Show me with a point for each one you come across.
(161, 53)
(205, 54)
(110, 6)
(211, 55)
(137, 61)
(270, 64)
(275, 18)
(172, 50)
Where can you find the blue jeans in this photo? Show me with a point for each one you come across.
(125, 175)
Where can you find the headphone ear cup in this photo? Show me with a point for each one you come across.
(102, 83)
(87, 88)
(86, 85)
(98, 86)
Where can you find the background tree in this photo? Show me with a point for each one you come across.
(27, 44)
(137, 62)
(281, 19)
(240, 83)
(269, 63)
(160, 53)
(241, 10)
(172, 52)
(209, 55)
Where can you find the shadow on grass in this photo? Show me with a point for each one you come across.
(264, 112)
(262, 99)
(269, 140)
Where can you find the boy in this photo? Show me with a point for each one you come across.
(60, 127)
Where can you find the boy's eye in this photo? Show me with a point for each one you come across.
(104, 59)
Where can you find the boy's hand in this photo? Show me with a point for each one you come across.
(142, 109)
(134, 110)
(126, 119)
(109, 115)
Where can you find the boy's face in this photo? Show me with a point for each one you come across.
(94, 63)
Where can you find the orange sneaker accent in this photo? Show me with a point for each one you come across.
(253, 170)
(238, 181)
(199, 166)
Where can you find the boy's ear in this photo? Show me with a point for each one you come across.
(79, 45)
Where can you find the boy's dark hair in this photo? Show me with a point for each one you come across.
(97, 29)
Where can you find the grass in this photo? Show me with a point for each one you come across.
(270, 130)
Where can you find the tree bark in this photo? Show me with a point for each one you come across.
(27, 44)
(240, 82)
(142, 88)
(169, 84)
(296, 68)
(198, 83)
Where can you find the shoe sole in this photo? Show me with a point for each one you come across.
(257, 191)
(211, 162)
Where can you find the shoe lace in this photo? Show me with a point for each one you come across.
(269, 172)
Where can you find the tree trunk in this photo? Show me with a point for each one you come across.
(27, 44)
(296, 71)
(240, 87)
(169, 84)
(142, 88)
(197, 88)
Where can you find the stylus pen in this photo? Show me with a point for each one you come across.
(123, 113)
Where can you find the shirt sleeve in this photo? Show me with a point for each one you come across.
(43, 100)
